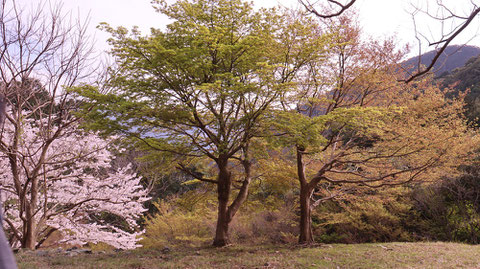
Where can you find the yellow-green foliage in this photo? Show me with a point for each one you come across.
(189, 220)
(184, 221)
(278, 176)
(380, 216)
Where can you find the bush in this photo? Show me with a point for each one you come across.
(189, 220)
(174, 225)
(451, 209)
(265, 226)
(380, 216)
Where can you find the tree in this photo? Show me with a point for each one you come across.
(375, 147)
(201, 89)
(70, 188)
(349, 77)
(357, 129)
(42, 56)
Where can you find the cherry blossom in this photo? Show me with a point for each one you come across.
(66, 184)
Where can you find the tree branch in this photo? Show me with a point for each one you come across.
(446, 42)
(343, 7)
(184, 169)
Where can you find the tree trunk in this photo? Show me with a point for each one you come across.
(306, 233)
(223, 192)
(30, 238)
(31, 225)
(221, 233)
(29, 235)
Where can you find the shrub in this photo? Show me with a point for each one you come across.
(174, 225)
(266, 226)
(380, 216)
(189, 220)
(451, 209)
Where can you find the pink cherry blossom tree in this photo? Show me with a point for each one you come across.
(65, 187)
(54, 177)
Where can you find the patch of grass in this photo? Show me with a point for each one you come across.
(384, 255)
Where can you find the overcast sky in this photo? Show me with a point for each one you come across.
(378, 18)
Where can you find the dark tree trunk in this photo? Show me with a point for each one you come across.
(223, 189)
(306, 233)
(226, 212)
(221, 233)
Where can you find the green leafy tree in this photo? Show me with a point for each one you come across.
(201, 89)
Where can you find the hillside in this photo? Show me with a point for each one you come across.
(453, 57)
(466, 78)
(459, 69)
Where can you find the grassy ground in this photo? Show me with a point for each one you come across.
(385, 255)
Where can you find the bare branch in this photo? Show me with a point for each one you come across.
(198, 176)
(343, 7)
(446, 39)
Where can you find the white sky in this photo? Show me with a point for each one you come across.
(378, 18)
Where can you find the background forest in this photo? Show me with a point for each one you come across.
(231, 125)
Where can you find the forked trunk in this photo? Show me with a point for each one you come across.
(227, 212)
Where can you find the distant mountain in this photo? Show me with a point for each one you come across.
(453, 57)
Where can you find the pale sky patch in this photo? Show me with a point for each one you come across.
(378, 18)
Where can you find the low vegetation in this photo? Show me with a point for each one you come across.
(375, 255)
